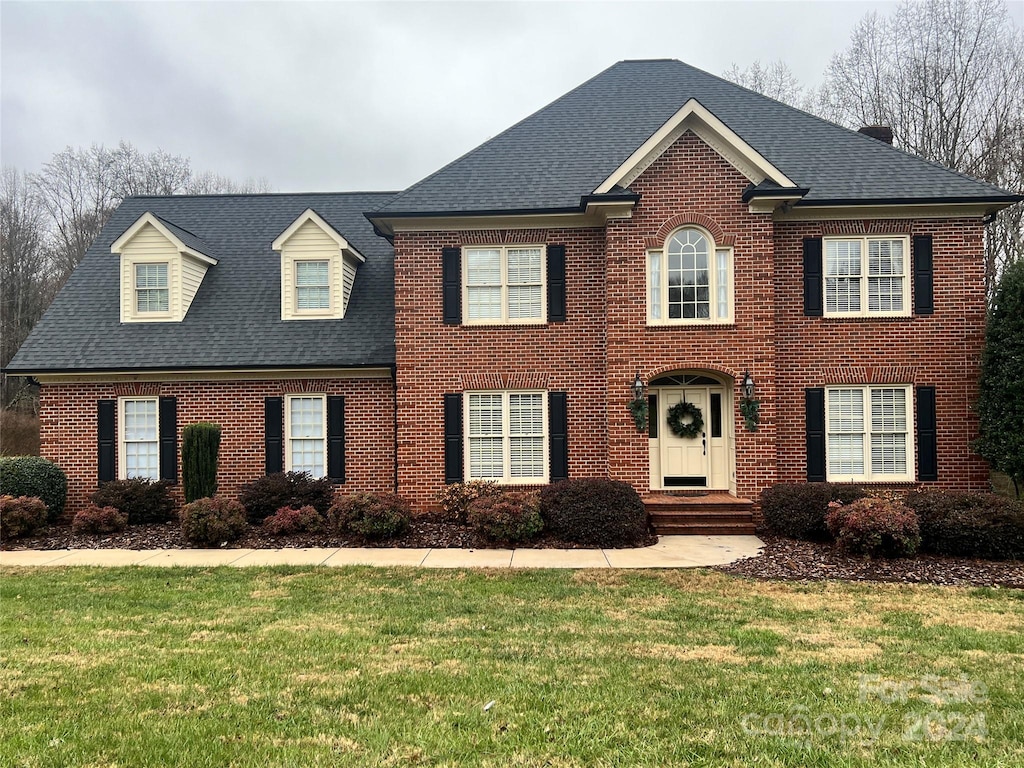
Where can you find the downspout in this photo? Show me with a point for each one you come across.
(394, 413)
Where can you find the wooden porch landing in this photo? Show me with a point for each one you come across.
(711, 514)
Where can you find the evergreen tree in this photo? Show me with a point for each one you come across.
(1001, 396)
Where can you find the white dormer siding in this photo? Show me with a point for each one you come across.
(315, 257)
(167, 264)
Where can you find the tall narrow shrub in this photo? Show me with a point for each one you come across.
(200, 444)
(1001, 388)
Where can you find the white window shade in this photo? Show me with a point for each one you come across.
(504, 284)
(506, 436)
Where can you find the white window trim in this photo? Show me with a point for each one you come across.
(864, 240)
(713, 249)
(288, 427)
(331, 309)
(122, 442)
(140, 313)
(506, 441)
(131, 312)
(503, 259)
(911, 433)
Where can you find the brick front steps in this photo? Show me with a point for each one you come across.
(713, 514)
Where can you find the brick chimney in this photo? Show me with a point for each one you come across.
(881, 132)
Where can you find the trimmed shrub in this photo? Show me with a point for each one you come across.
(263, 497)
(144, 501)
(506, 517)
(874, 526)
(35, 476)
(798, 510)
(200, 444)
(21, 516)
(97, 520)
(373, 515)
(211, 522)
(969, 524)
(287, 521)
(456, 498)
(595, 511)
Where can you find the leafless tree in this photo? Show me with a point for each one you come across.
(775, 80)
(948, 77)
(27, 282)
(80, 188)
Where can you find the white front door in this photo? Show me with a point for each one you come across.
(684, 461)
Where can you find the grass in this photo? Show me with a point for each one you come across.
(362, 667)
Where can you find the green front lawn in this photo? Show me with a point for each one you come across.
(362, 667)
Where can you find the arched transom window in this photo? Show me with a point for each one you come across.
(689, 280)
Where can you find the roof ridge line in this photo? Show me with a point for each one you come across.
(260, 194)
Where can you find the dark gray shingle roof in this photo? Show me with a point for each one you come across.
(235, 318)
(564, 151)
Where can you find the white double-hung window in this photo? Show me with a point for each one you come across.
(306, 434)
(506, 436)
(140, 438)
(151, 289)
(867, 276)
(504, 284)
(312, 285)
(869, 433)
(689, 280)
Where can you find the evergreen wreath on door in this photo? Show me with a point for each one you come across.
(677, 416)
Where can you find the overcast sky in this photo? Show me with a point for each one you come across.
(353, 95)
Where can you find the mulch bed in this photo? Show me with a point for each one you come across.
(792, 560)
(426, 531)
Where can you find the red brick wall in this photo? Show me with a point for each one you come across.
(691, 184)
(596, 353)
(433, 358)
(941, 350)
(68, 427)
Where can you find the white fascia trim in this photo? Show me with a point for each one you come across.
(148, 218)
(694, 115)
(310, 215)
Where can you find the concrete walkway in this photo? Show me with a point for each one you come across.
(669, 552)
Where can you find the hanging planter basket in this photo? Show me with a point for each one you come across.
(685, 420)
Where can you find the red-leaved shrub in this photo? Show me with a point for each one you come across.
(874, 526)
(21, 516)
(374, 515)
(506, 517)
(211, 522)
(287, 521)
(95, 519)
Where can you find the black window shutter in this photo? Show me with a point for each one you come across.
(451, 275)
(558, 436)
(814, 402)
(453, 437)
(336, 438)
(924, 303)
(168, 411)
(273, 431)
(652, 415)
(107, 433)
(812, 277)
(927, 444)
(556, 283)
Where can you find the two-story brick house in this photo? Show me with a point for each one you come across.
(656, 223)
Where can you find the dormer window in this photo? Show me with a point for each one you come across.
(318, 269)
(312, 285)
(151, 289)
(162, 267)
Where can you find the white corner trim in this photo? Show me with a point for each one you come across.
(696, 117)
(310, 215)
(148, 218)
